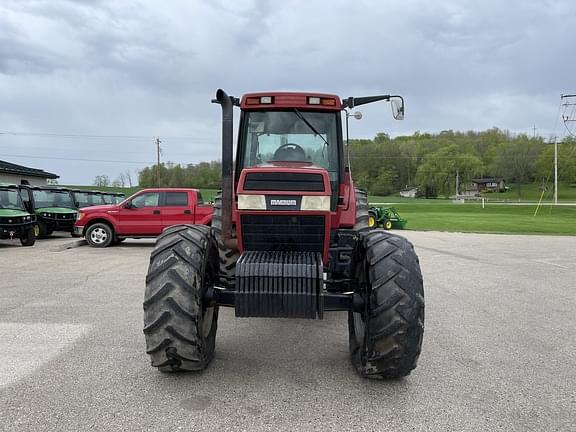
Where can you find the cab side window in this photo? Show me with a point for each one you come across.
(176, 199)
(148, 199)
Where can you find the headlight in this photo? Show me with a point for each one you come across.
(80, 215)
(251, 202)
(44, 214)
(313, 202)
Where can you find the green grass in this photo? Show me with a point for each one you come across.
(443, 215)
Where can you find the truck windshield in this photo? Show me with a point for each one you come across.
(285, 136)
(52, 198)
(10, 199)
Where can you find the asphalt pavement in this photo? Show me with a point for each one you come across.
(499, 348)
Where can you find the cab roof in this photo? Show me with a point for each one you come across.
(284, 100)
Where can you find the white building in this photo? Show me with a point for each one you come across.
(409, 192)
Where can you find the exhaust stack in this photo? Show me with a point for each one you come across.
(227, 104)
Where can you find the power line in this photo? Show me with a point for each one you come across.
(90, 136)
(78, 159)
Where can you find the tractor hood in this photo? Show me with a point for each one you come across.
(13, 213)
(285, 178)
(56, 210)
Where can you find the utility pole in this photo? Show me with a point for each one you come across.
(457, 182)
(158, 160)
(534, 130)
(555, 172)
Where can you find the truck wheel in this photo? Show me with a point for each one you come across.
(29, 238)
(180, 330)
(388, 225)
(99, 235)
(386, 337)
(228, 257)
(361, 210)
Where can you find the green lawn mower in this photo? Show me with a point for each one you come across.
(387, 218)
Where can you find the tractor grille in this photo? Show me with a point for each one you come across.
(283, 181)
(283, 233)
(279, 284)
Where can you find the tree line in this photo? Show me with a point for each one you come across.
(386, 165)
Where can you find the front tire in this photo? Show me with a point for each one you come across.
(42, 230)
(29, 237)
(180, 330)
(386, 337)
(99, 235)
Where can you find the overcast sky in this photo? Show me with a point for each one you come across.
(149, 68)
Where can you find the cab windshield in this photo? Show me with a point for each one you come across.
(87, 199)
(52, 198)
(10, 199)
(290, 136)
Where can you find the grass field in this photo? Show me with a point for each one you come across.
(443, 215)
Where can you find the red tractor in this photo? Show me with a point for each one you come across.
(289, 239)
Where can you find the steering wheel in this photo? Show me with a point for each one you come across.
(289, 152)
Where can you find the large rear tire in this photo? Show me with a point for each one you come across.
(227, 257)
(386, 338)
(362, 218)
(180, 330)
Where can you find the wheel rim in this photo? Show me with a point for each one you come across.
(371, 221)
(98, 235)
(36, 230)
(388, 225)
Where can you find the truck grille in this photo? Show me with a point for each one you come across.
(283, 181)
(283, 233)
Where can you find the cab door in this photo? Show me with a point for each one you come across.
(141, 215)
(177, 208)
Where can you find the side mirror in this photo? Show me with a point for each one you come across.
(397, 104)
(128, 205)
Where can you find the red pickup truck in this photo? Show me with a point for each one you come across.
(145, 214)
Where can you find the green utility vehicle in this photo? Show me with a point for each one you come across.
(113, 197)
(54, 208)
(387, 218)
(87, 198)
(15, 220)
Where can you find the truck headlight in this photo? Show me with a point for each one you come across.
(315, 202)
(80, 215)
(251, 202)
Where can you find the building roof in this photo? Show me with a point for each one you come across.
(488, 180)
(10, 168)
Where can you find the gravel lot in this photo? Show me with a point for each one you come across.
(499, 348)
